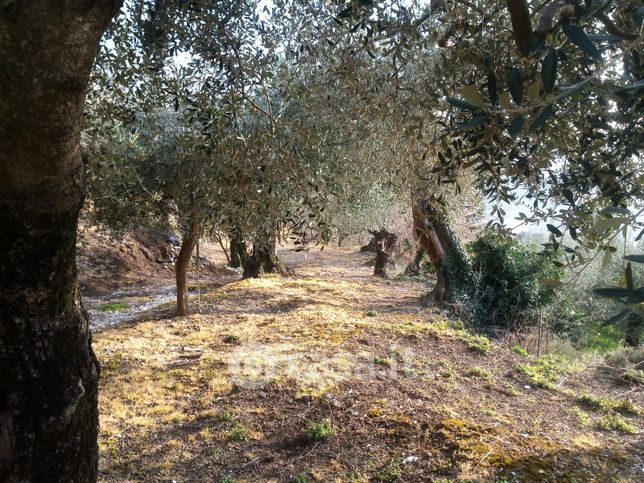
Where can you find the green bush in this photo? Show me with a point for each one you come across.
(508, 291)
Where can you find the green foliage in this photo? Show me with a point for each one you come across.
(226, 415)
(520, 350)
(482, 372)
(607, 404)
(545, 371)
(391, 472)
(479, 343)
(508, 291)
(113, 307)
(319, 430)
(382, 361)
(582, 416)
(300, 478)
(631, 318)
(615, 422)
(238, 432)
(371, 313)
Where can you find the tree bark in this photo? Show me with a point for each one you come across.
(521, 24)
(264, 259)
(441, 244)
(386, 243)
(238, 250)
(181, 268)
(48, 371)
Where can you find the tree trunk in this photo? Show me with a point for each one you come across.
(341, 238)
(633, 330)
(386, 243)
(264, 260)
(238, 250)
(181, 268)
(48, 372)
(443, 247)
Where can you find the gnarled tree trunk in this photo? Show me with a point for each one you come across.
(443, 247)
(386, 243)
(238, 250)
(264, 259)
(48, 372)
(181, 268)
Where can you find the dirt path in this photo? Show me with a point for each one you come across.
(336, 376)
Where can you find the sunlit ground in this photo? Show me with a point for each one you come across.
(391, 390)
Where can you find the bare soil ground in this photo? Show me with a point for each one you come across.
(334, 375)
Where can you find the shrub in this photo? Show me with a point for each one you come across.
(507, 289)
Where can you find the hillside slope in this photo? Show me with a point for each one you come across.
(337, 376)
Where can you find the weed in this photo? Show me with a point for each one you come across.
(319, 430)
(545, 371)
(627, 407)
(520, 350)
(175, 417)
(113, 307)
(391, 472)
(238, 432)
(226, 415)
(408, 372)
(607, 404)
(511, 390)
(447, 373)
(226, 479)
(615, 422)
(371, 313)
(232, 339)
(482, 372)
(478, 343)
(357, 477)
(582, 416)
(300, 478)
(382, 361)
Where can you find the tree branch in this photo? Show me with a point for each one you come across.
(521, 24)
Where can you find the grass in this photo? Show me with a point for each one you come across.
(615, 422)
(582, 416)
(226, 415)
(315, 340)
(478, 343)
(300, 478)
(232, 339)
(520, 350)
(607, 404)
(392, 472)
(319, 430)
(238, 432)
(382, 361)
(481, 372)
(545, 371)
(113, 307)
